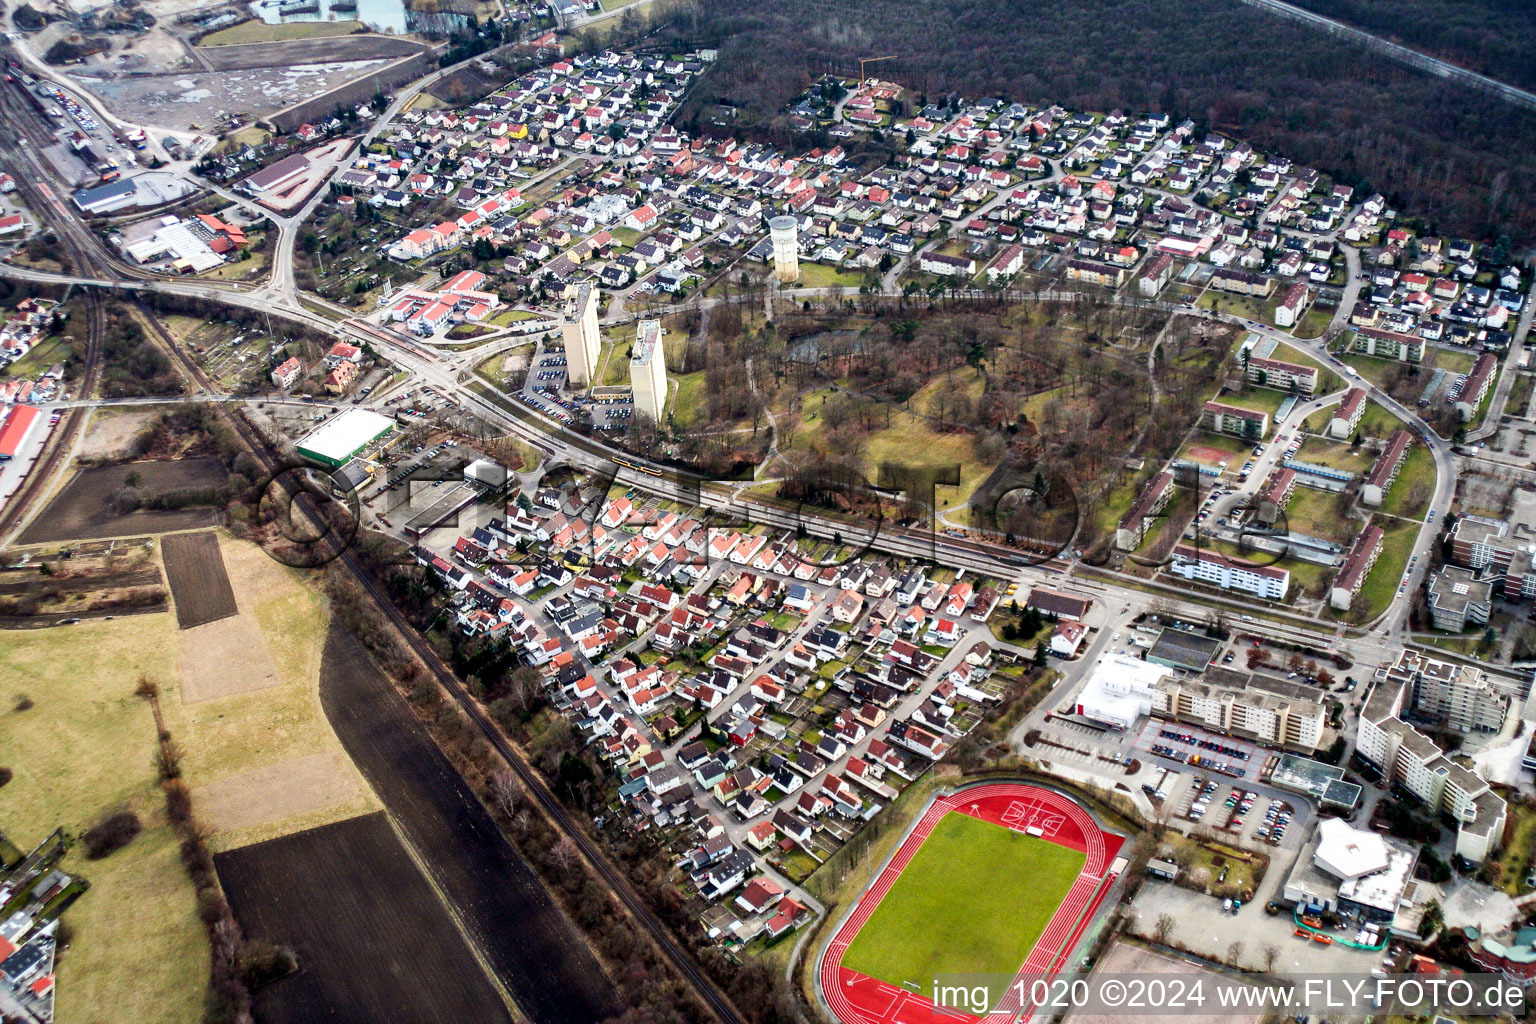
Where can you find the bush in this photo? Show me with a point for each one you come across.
(262, 962)
(178, 802)
(5, 775)
(111, 834)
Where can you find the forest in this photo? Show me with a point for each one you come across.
(1492, 37)
(1456, 158)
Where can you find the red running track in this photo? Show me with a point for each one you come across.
(856, 998)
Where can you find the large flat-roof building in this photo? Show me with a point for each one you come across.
(1348, 870)
(1408, 757)
(1120, 691)
(1457, 599)
(648, 370)
(1249, 706)
(581, 337)
(336, 441)
(285, 172)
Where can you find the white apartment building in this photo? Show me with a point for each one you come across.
(1278, 719)
(1408, 757)
(1207, 566)
(1462, 698)
(581, 336)
(648, 370)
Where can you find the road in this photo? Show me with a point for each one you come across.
(1401, 54)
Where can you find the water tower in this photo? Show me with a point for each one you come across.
(785, 232)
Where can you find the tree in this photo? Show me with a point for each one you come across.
(1163, 928)
(1235, 953)
(505, 790)
(1269, 954)
(1433, 918)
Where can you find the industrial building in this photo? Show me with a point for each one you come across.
(336, 441)
(648, 370)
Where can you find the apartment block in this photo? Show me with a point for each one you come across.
(1373, 341)
(1459, 697)
(1408, 757)
(1152, 500)
(1241, 282)
(1384, 470)
(648, 370)
(1346, 418)
(1477, 385)
(1458, 599)
(1204, 566)
(1235, 420)
(1278, 375)
(1278, 719)
(581, 336)
(1357, 566)
(1500, 552)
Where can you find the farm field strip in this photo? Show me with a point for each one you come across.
(199, 585)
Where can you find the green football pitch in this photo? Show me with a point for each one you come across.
(974, 899)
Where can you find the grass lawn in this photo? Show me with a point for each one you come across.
(1381, 585)
(1259, 400)
(1373, 368)
(1417, 474)
(688, 397)
(627, 237)
(85, 748)
(1514, 860)
(1313, 511)
(512, 316)
(242, 270)
(1315, 320)
(40, 357)
(1335, 455)
(257, 31)
(975, 898)
(819, 275)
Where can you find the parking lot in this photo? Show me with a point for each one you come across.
(1236, 812)
(1191, 745)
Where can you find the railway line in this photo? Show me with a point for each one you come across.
(526, 773)
(22, 166)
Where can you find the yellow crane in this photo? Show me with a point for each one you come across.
(869, 60)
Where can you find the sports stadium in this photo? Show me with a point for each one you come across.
(1000, 879)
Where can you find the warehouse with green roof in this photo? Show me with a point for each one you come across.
(342, 437)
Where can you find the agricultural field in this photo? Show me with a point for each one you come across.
(974, 899)
(530, 945)
(85, 509)
(345, 897)
(83, 749)
(258, 31)
(260, 765)
(199, 584)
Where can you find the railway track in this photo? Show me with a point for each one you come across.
(526, 773)
(83, 253)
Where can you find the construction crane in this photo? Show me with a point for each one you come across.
(869, 60)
